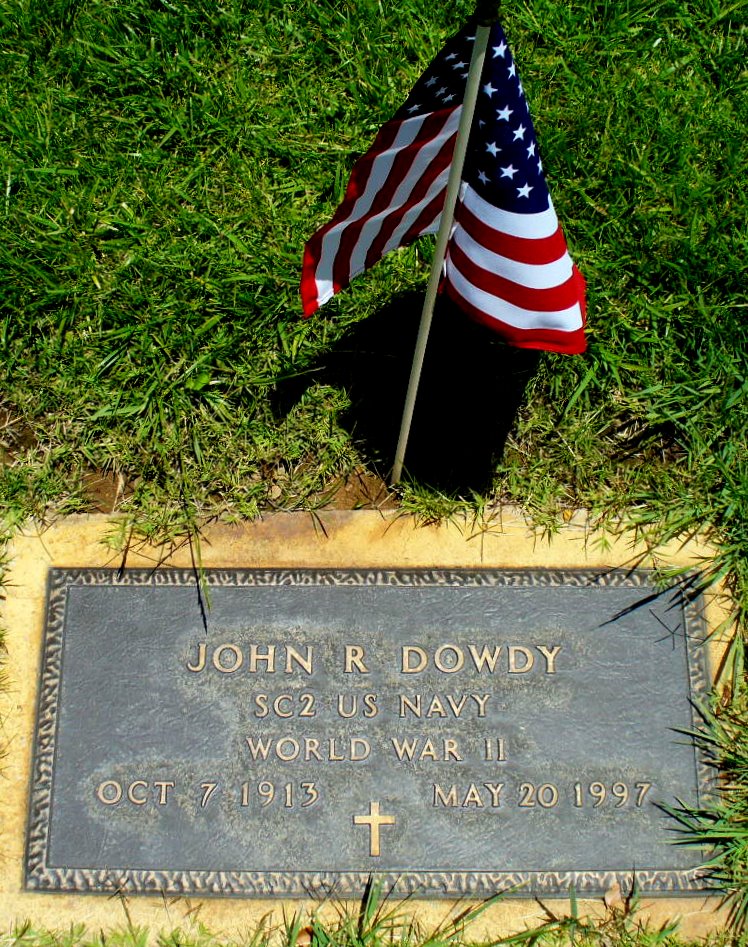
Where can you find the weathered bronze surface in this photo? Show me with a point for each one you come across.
(452, 732)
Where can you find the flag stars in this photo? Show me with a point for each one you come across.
(493, 148)
(413, 108)
(431, 82)
(519, 133)
(531, 150)
(540, 166)
(524, 191)
(451, 56)
(498, 51)
(508, 172)
(489, 89)
(442, 91)
(483, 178)
(503, 114)
(448, 98)
(512, 71)
(459, 65)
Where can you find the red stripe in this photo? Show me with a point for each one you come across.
(551, 299)
(398, 173)
(309, 300)
(420, 189)
(520, 249)
(552, 340)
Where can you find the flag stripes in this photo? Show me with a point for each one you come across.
(483, 222)
(523, 329)
(547, 299)
(395, 194)
(532, 275)
(513, 272)
(420, 208)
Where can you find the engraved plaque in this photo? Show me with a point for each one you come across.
(285, 733)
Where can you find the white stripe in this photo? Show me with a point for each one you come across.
(425, 158)
(533, 226)
(531, 275)
(380, 169)
(325, 293)
(564, 320)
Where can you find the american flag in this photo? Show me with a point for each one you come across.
(507, 264)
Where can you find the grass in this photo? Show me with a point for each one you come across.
(722, 826)
(162, 165)
(377, 924)
(163, 161)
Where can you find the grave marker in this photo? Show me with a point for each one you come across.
(453, 731)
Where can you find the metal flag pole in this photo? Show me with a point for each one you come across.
(482, 33)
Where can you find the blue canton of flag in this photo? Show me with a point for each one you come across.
(507, 263)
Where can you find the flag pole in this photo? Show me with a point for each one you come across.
(486, 13)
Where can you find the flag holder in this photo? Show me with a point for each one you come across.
(483, 30)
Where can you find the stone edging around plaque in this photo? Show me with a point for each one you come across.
(361, 539)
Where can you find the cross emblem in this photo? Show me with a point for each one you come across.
(374, 820)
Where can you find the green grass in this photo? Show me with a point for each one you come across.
(163, 161)
(721, 826)
(376, 923)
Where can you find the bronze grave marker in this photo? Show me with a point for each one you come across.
(453, 732)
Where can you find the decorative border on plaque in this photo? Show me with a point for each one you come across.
(282, 884)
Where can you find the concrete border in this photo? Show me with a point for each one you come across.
(329, 539)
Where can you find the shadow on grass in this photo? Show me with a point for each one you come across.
(470, 391)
